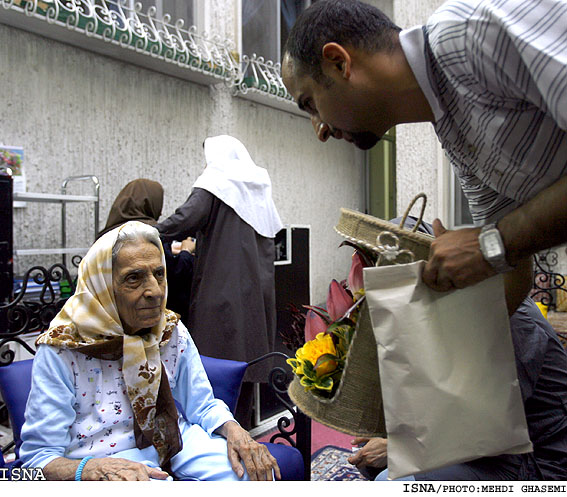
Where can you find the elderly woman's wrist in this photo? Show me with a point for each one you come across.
(80, 473)
(227, 427)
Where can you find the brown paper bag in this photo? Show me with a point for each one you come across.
(447, 370)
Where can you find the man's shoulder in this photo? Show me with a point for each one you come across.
(449, 28)
(455, 10)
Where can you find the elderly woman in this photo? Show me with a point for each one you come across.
(108, 376)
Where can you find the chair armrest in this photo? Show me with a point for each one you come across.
(295, 431)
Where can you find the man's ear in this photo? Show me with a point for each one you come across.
(336, 58)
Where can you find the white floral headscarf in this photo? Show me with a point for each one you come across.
(89, 323)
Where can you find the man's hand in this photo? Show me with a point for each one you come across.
(373, 454)
(242, 448)
(455, 259)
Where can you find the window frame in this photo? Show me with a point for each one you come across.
(198, 16)
(387, 170)
(450, 194)
(278, 5)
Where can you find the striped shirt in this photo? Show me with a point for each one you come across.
(495, 75)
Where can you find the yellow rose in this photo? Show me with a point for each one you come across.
(312, 350)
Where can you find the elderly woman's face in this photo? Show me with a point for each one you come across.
(138, 280)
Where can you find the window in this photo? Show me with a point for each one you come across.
(278, 15)
(460, 207)
(177, 9)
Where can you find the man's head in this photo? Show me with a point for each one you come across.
(330, 40)
(346, 22)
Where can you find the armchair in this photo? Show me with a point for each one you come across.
(225, 377)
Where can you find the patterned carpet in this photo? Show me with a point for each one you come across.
(330, 464)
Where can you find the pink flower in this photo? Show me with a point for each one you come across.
(355, 279)
(314, 324)
(338, 301)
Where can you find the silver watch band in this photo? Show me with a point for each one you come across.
(490, 237)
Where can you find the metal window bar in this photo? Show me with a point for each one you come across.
(124, 23)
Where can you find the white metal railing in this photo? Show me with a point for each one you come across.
(123, 24)
(259, 75)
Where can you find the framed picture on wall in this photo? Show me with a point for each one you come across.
(12, 158)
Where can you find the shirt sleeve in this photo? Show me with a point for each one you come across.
(49, 410)
(521, 46)
(539, 39)
(189, 218)
(194, 393)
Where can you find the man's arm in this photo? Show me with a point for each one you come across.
(457, 262)
(539, 224)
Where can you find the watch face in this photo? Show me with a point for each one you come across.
(492, 245)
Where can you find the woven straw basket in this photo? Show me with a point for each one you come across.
(356, 407)
(366, 231)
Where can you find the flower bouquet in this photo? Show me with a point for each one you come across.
(319, 363)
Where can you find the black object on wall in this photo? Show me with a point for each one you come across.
(6, 222)
(6, 246)
(292, 279)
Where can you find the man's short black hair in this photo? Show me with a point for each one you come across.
(346, 22)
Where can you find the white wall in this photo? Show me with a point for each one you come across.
(76, 112)
(418, 153)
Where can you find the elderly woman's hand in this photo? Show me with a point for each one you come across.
(102, 469)
(242, 448)
(116, 469)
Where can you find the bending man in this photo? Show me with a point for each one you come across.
(491, 76)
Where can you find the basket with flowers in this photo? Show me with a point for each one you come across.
(337, 379)
(319, 363)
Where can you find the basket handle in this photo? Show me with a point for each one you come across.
(412, 203)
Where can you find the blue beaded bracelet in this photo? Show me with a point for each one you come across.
(80, 467)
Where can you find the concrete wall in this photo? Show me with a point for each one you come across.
(76, 112)
(418, 153)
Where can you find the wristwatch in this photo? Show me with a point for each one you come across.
(492, 248)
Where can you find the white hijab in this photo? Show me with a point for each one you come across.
(232, 177)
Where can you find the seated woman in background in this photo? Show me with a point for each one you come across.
(110, 371)
(142, 200)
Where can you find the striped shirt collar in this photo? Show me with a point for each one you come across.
(413, 45)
